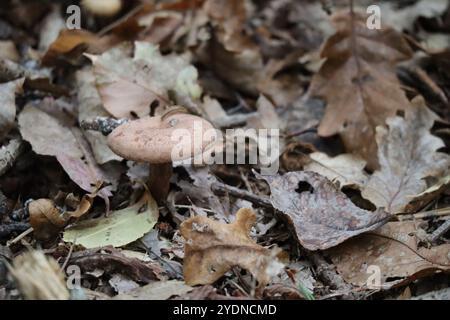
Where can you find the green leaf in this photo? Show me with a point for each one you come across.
(120, 228)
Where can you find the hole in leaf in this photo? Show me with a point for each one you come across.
(304, 186)
(400, 113)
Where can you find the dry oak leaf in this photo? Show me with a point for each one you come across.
(358, 80)
(212, 248)
(129, 85)
(71, 44)
(321, 214)
(394, 249)
(408, 154)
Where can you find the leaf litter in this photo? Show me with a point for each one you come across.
(364, 176)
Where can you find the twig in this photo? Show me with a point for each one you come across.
(104, 125)
(327, 273)
(439, 232)
(221, 188)
(425, 214)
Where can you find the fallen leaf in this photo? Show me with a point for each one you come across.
(408, 154)
(358, 80)
(394, 250)
(161, 290)
(113, 261)
(346, 169)
(229, 17)
(122, 284)
(8, 93)
(89, 107)
(71, 44)
(118, 229)
(212, 248)
(200, 191)
(47, 220)
(48, 137)
(321, 214)
(130, 85)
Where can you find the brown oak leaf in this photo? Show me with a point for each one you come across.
(213, 248)
(407, 155)
(359, 83)
(321, 214)
(394, 250)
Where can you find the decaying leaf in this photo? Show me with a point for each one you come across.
(71, 44)
(359, 83)
(212, 248)
(422, 199)
(408, 154)
(8, 105)
(346, 169)
(129, 85)
(118, 229)
(48, 137)
(47, 220)
(113, 261)
(394, 249)
(321, 214)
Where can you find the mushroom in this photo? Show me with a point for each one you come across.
(161, 140)
(103, 8)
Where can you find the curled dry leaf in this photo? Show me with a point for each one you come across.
(321, 214)
(129, 85)
(118, 229)
(346, 169)
(47, 220)
(359, 83)
(71, 44)
(8, 105)
(394, 249)
(212, 248)
(407, 154)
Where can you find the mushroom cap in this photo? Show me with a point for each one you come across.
(160, 140)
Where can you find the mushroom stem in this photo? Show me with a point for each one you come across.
(159, 181)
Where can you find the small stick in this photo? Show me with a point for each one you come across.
(425, 214)
(261, 201)
(329, 275)
(439, 232)
(104, 125)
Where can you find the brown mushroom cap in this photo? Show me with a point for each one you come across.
(150, 139)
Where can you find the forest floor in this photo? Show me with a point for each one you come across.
(327, 176)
